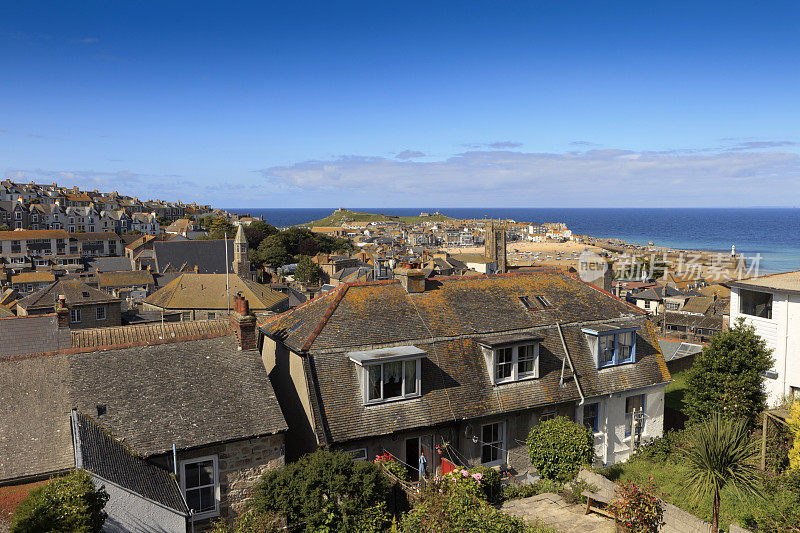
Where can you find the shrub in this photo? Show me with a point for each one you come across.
(637, 508)
(392, 465)
(794, 427)
(671, 446)
(249, 522)
(491, 482)
(727, 377)
(67, 503)
(573, 491)
(454, 502)
(328, 491)
(526, 490)
(559, 447)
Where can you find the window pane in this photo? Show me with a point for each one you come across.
(192, 472)
(605, 354)
(392, 379)
(590, 412)
(207, 500)
(505, 363)
(374, 382)
(526, 357)
(193, 499)
(411, 377)
(206, 471)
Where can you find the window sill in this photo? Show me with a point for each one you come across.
(372, 403)
(206, 515)
(512, 381)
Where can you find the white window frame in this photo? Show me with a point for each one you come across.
(215, 460)
(104, 312)
(357, 454)
(403, 395)
(516, 375)
(74, 316)
(500, 445)
(629, 415)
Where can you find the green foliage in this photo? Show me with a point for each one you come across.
(257, 231)
(392, 465)
(491, 482)
(4, 227)
(307, 270)
(727, 376)
(67, 503)
(280, 248)
(794, 428)
(637, 508)
(559, 447)
(326, 491)
(721, 453)
(672, 446)
(454, 503)
(249, 522)
(573, 491)
(780, 508)
(516, 491)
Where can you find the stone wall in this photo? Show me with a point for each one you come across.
(241, 465)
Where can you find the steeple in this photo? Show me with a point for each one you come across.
(241, 263)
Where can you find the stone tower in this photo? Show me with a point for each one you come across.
(241, 263)
(495, 246)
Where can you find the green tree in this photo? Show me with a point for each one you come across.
(727, 376)
(559, 447)
(307, 270)
(258, 231)
(326, 491)
(721, 453)
(67, 503)
(272, 254)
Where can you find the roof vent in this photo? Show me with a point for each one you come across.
(85, 294)
(101, 409)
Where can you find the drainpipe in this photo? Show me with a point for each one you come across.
(785, 345)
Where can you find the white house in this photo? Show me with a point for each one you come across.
(771, 304)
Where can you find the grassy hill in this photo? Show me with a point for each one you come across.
(340, 216)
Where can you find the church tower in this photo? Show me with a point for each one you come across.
(241, 263)
(495, 246)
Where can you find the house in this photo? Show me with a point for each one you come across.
(466, 364)
(209, 296)
(652, 299)
(184, 399)
(135, 284)
(88, 307)
(771, 304)
(185, 227)
(29, 282)
(477, 262)
(96, 244)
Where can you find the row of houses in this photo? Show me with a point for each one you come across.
(20, 216)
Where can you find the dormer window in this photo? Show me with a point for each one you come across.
(389, 374)
(511, 358)
(612, 344)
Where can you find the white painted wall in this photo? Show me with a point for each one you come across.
(782, 335)
(130, 512)
(610, 443)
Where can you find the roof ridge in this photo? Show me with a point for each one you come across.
(336, 300)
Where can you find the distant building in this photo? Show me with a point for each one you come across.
(88, 307)
(495, 247)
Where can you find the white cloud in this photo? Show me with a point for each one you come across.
(590, 178)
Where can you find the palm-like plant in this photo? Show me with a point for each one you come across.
(721, 454)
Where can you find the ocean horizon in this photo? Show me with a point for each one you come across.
(773, 233)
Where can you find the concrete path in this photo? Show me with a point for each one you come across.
(553, 510)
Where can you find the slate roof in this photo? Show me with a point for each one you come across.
(34, 429)
(109, 264)
(695, 321)
(125, 278)
(208, 291)
(657, 293)
(449, 321)
(785, 282)
(207, 255)
(191, 393)
(673, 350)
(73, 290)
(103, 456)
(148, 333)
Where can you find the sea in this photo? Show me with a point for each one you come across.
(770, 234)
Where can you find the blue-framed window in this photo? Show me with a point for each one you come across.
(591, 413)
(616, 348)
(634, 404)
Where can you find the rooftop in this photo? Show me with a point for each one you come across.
(785, 282)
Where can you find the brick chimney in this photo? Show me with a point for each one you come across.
(243, 323)
(62, 312)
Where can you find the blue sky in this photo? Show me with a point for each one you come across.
(305, 104)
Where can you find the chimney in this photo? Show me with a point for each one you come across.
(62, 312)
(243, 323)
(412, 280)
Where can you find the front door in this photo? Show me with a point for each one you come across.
(412, 457)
